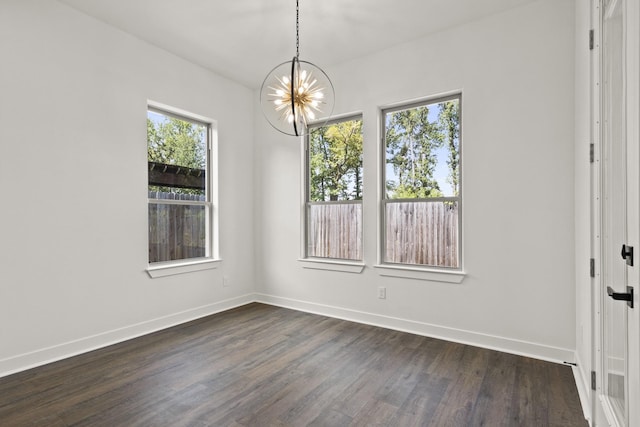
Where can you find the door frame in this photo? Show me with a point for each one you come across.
(633, 134)
(600, 416)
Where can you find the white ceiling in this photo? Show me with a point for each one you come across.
(244, 39)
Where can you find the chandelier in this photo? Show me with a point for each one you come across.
(296, 93)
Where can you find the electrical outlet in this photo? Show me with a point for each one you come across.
(225, 281)
(382, 292)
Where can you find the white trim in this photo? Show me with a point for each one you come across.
(51, 354)
(597, 411)
(342, 117)
(179, 112)
(212, 244)
(214, 212)
(434, 275)
(608, 412)
(170, 269)
(583, 384)
(633, 136)
(304, 148)
(603, 413)
(332, 265)
(305, 191)
(383, 200)
(54, 353)
(492, 342)
(420, 100)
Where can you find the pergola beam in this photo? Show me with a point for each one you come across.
(164, 175)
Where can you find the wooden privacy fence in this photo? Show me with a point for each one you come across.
(335, 230)
(423, 233)
(176, 231)
(420, 233)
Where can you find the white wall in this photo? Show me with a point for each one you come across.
(73, 223)
(72, 121)
(516, 73)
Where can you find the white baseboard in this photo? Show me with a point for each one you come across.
(62, 351)
(51, 354)
(507, 345)
(583, 383)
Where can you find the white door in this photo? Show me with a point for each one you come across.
(620, 220)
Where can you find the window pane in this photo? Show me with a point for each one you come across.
(334, 189)
(335, 230)
(176, 154)
(423, 151)
(422, 233)
(335, 162)
(178, 165)
(177, 232)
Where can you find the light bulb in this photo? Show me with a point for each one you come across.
(297, 98)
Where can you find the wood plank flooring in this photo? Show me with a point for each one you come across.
(259, 365)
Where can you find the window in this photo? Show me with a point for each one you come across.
(334, 190)
(180, 194)
(421, 206)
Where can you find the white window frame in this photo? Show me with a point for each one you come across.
(418, 271)
(325, 263)
(211, 258)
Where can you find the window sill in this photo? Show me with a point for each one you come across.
(332, 265)
(417, 273)
(170, 269)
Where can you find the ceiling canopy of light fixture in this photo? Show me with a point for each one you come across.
(296, 93)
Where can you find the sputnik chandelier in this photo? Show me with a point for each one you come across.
(296, 93)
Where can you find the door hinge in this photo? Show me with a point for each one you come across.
(627, 254)
(592, 267)
(593, 380)
(591, 39)
(592, 153)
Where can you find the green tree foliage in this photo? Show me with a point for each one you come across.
(413, 137)
(411, 143)
(335, 161)
(176, 142)
(449, 121)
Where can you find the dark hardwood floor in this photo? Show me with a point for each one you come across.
(260, 365)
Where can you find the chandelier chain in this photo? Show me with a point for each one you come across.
(296, 93)
(297, 31)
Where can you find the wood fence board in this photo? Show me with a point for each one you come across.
(176, 231)
(420, 233)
